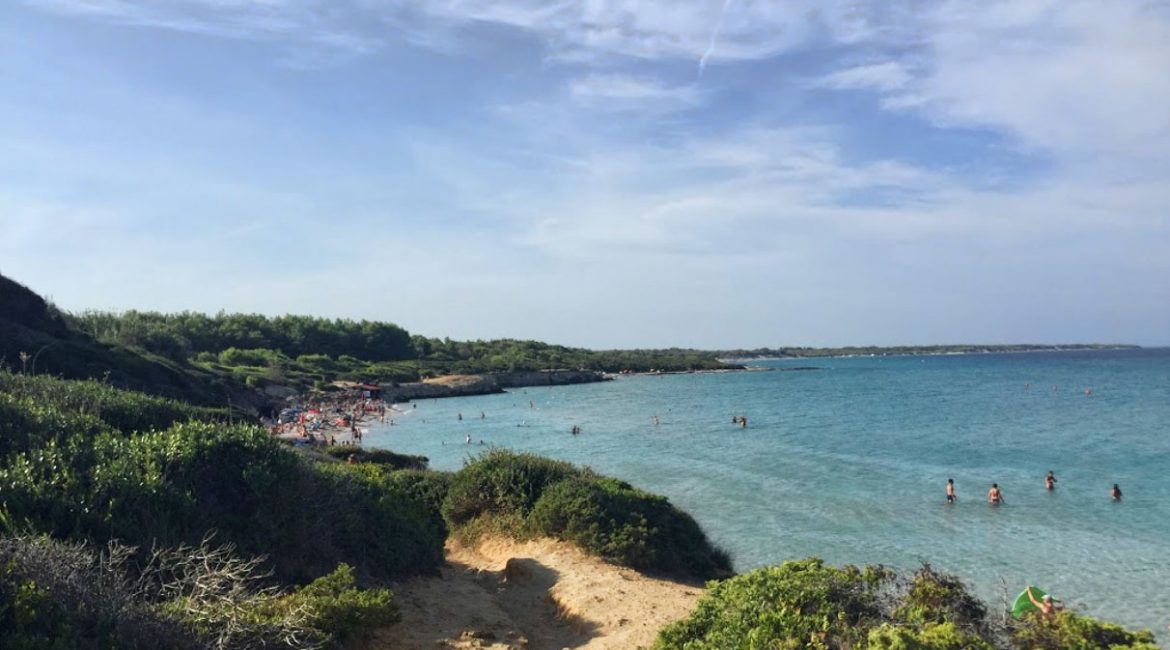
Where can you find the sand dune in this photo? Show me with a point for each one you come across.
(539, 595)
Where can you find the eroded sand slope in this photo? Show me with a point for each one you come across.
(540, 595)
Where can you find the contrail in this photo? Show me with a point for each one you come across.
(714, 38)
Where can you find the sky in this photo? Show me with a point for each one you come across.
(603, 173)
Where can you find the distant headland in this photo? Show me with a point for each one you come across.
(756, 354)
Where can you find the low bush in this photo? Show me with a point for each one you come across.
(800, 604)
(26, 424)
(1069, 631)
(383, 457)
(523, 495)
(931, 636)
(56, 595)
(501, 482)
(222, 600)
(935, 597)
(428, 487)
(173, 486)
(612, 519)
(120, 410)
(807, 604)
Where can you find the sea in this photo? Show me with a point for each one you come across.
(847, 459)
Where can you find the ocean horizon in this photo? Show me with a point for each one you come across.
(849, 463)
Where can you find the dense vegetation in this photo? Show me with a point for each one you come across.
(523, 495)
(86, 462)
(36, 338)
(807, 604)
(180, 336)
(303, 348)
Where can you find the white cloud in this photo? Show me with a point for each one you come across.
(885, 76)
(571, 30)
(620, 91)
(1069, 77)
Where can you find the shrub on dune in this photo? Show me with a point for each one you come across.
(524, 496)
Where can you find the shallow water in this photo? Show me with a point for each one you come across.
(849, 463)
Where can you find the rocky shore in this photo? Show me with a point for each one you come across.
(459, 385)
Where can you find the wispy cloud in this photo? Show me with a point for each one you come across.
(615, 91)
(710, 51)
(1077, 78)
(885, 76)
(573, 30)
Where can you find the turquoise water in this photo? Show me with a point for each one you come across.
(849, 462)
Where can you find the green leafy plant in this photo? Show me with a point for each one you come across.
(800, 604)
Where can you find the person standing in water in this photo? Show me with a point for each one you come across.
(950, 490)
(1050, 481)
(994, 496)
(1115, 493)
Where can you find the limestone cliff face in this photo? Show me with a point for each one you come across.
(548, 378)
(456, 385)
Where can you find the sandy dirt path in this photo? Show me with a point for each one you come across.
(539, 595)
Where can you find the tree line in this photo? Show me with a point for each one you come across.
(188, 335)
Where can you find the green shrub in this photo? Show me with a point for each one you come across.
(932, 636)
(1069, 631)
(121, 410)
(29, 618)
(339, 609)
(611, 519)
(800, 604)
(365, 519)
(523, 495)
(255, 357)
(173, 486)
(327, 612)
(26, 425)
(502, 482)
(55, 595)
(58, 596)
(935, 597)
(429, 487)
(383, 457)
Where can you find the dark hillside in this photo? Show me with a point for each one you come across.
(35, 338)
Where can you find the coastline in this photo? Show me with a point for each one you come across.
(928, 353)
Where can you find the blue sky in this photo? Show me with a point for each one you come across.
(604, 173)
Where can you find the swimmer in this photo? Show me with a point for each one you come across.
(655, 420)
(1050, 481)
(743, 421)
(1047, 605)
(467, 439)
(1115, 493)
(994, 496)
(950, 490)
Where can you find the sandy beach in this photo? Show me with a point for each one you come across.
(538, 595)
